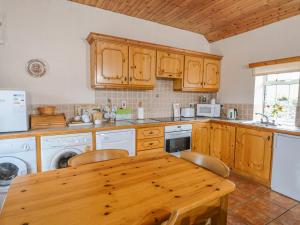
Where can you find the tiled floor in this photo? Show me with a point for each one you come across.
(254, 204)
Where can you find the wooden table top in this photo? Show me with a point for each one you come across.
(114, 192)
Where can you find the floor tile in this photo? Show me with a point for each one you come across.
(267, 208)
(279, 199)
(289, 218)
(252, 215)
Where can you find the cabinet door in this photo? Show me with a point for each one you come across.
(142, 66)
(112, 63)
(200, 138)
(253, 152)
(222, 143)
(169, 65)
(211, 76)
(193, 73)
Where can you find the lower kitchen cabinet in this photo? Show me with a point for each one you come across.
(201, 138)
(253, 153)
(222, 143)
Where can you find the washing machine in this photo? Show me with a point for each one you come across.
(17, 157)
(58, 149)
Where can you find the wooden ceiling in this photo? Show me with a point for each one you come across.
(215, 19)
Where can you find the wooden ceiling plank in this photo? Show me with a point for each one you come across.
(216, 19)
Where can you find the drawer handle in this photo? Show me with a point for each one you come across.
(151, 143)
(151, 132)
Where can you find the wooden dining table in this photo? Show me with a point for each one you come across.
(144, 189)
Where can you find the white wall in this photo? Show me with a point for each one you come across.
(55, 30)
(278, 40)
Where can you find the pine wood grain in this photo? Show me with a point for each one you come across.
(115, 192)
(216, 20)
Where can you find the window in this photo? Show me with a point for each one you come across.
(278, 96)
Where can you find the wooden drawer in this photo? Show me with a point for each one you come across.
(152, 143)
(150, 151)
(150, 132)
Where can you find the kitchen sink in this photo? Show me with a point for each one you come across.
(258, 123)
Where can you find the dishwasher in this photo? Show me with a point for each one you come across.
(116, 139)
(286, 165)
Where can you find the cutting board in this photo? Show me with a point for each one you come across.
(47, 121)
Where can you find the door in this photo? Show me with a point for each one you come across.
(169, 65)
(193, 73)
(142, 64)
(222, 143)
(112, 63)
(211, 77)
(253, 152)
(201, 138)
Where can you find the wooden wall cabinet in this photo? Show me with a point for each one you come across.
(253, 153)
(169, 65)
(200, 74)
(211, 74)
(142, 65)
(222, 143)
(117, 65)
(201, 138)
(109, 64)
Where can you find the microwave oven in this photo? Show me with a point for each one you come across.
(209, 110)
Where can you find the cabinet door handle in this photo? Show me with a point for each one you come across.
(125, 79)
(130, 79)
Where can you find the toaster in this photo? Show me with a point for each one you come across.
(187, 112)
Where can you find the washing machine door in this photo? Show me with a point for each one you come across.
(60, 160)
(10, 167)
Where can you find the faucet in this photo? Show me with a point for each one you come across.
(263, 116)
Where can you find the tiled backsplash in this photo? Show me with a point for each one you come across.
(245, 111)
(157, 102)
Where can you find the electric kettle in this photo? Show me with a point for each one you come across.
(232, 113)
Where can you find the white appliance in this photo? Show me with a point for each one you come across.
(13, 113)
(176, 110)
(116, 139)
(286, 165)
(17, 157)
(178, 138)
(58, 149)
(232, 113)
(209, 110)
(187, 112)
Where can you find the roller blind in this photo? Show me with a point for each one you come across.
(278, 68)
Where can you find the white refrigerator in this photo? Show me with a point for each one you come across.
(286, 165)
(13, 111)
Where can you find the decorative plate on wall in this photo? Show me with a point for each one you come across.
(36, 67)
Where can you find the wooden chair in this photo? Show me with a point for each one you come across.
(97, 156)
(211, 163)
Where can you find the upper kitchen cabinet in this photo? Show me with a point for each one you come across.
(169, 65)
(109, 64)
(211, 75)
(123, 63)
(200, 75)
(142, 67)
(253, 153)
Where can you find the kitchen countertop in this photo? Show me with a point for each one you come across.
(293, 130)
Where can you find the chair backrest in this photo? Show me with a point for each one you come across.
(193, 213)
(97, 156)
(211, 163)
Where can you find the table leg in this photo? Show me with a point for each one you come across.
(221, 217)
